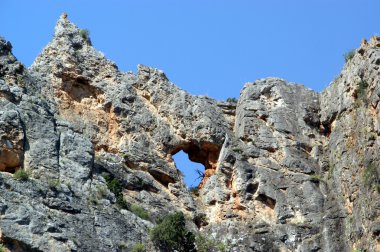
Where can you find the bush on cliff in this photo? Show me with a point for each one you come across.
(21, 174)
(171, 234)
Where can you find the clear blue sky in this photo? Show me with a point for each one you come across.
(206, 46)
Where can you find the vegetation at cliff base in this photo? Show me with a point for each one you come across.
(206, 244)
(171, 234)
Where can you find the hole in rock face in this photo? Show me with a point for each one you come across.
(191, 171)
(205, 154)
(79, 88)
(268, 201)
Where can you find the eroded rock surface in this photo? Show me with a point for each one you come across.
(286, 168)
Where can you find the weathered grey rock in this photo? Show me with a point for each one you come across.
(12, 139)
(286, 168)
(351, 122)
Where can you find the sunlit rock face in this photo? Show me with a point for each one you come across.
(286, 168)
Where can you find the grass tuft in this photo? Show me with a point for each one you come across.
(21, 174)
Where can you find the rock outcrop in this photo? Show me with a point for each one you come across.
(286, 168)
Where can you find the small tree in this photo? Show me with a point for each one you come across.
(171, 234)
(232, 100)
(349, 55)
(85, 34)
(140, 212)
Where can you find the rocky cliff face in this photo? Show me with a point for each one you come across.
(286, 168)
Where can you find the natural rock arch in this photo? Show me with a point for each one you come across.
(206, 154)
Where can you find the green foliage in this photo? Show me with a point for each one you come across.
(316, 178)
(138, 247)
(362, 86)
(21, 174)
(238, 150)
(2, 248)
(85, 34)
(194, 190)
(376, 187)
(53, 183)
(372, 135)
(94, 200)
(349, 55)
(140, 212)
(204, 244)
(121, 202)
(122, 246)
(370, 174)
(171, 234)
(101, 191)
(115, 186)
(20, 80)
(222, 247)
(331, 170)
(357, 250)
(232, 99)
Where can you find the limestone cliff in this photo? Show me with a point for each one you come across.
(286, 168)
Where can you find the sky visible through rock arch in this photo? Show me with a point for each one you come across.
(205, 47)
(188, 169)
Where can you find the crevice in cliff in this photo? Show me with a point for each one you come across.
(58, 148)
(266, 200)
(13, 145)
(16, 245)
(79, 88)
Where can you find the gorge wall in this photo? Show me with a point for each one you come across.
(286, 168)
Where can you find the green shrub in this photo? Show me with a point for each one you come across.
(331, 170)
(138, 247)
(370, 174)
(21, 174)
(349, 55)
(140, 212)
(94, 200)
(232, 99)
(2, 248)
(316, 178)
(101, 191)
(221, 247)
(362, 86)
(121, 202)
(53, 183)
(84, 33)
(115, 186)
(171, 234)
(204, 244)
